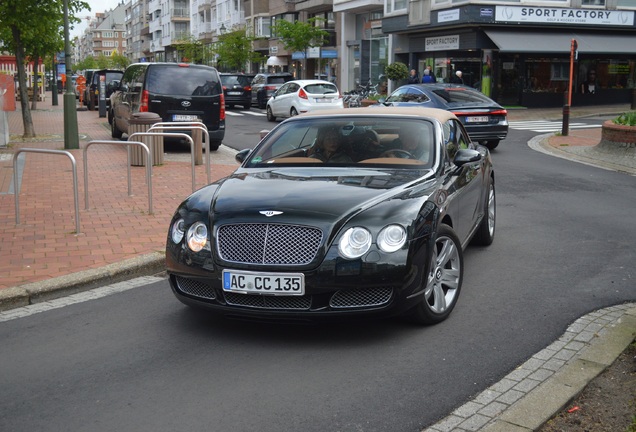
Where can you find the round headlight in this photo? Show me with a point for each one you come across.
(178, 230)
(355, 242)
(391, 238)
(197, 236)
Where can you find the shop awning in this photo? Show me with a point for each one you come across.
(277, 61)
(551, 42)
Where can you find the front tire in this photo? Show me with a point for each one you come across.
(486, 232)
(443, 281)
(270, 115)
(114, 130)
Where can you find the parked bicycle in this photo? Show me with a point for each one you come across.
(352, 99)
(367, 90)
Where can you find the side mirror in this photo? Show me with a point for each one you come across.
(242, 155)
(113, 85)
(465, 156)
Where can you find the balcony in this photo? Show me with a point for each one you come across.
(180, 14)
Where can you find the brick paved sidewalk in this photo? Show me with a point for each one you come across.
(116, 226)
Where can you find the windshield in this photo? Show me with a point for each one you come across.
(183, 80)
(329, 141)
(455, 96)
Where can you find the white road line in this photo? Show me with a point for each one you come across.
(244, 113)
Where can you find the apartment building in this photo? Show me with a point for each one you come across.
(105, 34)
(137, 32)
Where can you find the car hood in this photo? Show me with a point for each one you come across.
(307, 193)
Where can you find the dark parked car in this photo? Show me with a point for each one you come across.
(91, 92)
(237, 89)
(265, 84)
(364, 211)
(485, 120)
(178, 92)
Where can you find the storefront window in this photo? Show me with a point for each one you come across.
(547, 75)
(609, 74)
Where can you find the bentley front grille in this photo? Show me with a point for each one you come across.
(268, 302)
(271, 244)
(358, 298)
(195, 288)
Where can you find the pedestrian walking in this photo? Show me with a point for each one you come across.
(457, 79)
(427, 78)
(431, 73)
(413, 77)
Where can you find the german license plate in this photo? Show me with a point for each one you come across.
(233, 93)
(323, 100)
(263, 283)
(184, 117)
(477, 119)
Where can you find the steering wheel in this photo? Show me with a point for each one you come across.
(399, 153)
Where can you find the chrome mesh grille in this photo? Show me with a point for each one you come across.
(268, 302)
(195, 288)
(268, 243)
(361, 298)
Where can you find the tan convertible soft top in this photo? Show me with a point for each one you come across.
(441, 115)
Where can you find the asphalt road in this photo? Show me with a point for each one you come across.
(141, 361)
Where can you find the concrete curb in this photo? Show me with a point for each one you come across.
(540, 405)
(538, 389)
(41, 291)
(610, 161)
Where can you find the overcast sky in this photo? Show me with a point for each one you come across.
(96, 6)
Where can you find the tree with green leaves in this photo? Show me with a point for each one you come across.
(191, 49)
(235, 50)
(30, 29)
(300, 36)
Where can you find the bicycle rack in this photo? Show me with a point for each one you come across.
(127, 144)
(17, 185)
(173, 135)
(163, 126)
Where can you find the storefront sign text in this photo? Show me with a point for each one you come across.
(442, 43)
(564, 16)
(448, 16)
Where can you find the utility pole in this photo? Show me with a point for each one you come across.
(71, 135)
(565, 128)
(54, 84)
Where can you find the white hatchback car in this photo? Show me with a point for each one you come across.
(301, 96)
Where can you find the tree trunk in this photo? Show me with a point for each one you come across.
(36, 93)
(27, 121)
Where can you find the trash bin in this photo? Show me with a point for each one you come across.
(141, 122)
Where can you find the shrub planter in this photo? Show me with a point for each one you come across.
(615, 135)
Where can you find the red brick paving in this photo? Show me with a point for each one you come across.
(114, 228)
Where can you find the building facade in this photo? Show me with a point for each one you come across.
(518, 52)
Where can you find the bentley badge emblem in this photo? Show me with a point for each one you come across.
(270, 213)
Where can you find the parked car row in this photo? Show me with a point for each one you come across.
(252, 89)
(188, 93)
(485, 120)
(93, 79)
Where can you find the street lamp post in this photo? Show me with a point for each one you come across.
(71, 136)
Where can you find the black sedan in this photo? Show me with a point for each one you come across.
(364, 212)
(485, 120)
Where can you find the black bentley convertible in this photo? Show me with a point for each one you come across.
(365, 211)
